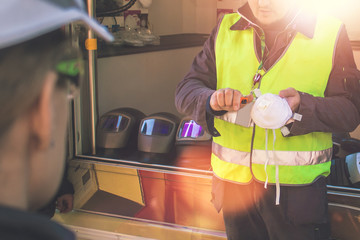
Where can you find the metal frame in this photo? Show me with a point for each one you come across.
(92, 80)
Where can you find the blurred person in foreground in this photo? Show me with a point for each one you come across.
(37, 69)
(271, 184)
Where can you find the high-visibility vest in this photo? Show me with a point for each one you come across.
(305, 66)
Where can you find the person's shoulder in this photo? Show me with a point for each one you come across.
(32, 225)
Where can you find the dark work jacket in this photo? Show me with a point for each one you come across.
(19, 225)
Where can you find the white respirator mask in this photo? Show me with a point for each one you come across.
(270, 111)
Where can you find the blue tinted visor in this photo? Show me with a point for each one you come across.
(190, 129)
(156, 127)
(114, 123)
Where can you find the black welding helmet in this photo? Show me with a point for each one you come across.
(189, 132)
(118, 128)
(157, 133)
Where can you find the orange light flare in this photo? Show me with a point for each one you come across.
(193, 195)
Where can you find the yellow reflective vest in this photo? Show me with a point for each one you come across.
(305, 66)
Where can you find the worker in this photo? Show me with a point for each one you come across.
(269, 178)
(35, 75)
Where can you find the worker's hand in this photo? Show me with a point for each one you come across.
(292, 97)
(65, 203)
(227, 99)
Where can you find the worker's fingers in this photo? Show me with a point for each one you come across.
(65, 203)
(292, 96)
(214, 103)
(228, 97)
(236, 100)
(289, 92)
(220, 98)
(60, 205)
(225, 99)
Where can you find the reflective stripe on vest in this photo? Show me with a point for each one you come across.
(240, 162)
(306, 156)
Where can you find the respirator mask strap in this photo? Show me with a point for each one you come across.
(277, 202)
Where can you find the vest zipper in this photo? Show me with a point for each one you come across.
(251, 150)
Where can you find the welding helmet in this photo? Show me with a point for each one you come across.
(118, 128)
(157, 133)
(353, 167)
(345, 163)
(189, 132)
(193, 145)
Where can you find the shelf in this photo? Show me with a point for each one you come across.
(167, 42)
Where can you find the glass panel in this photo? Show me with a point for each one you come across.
(144, 194)
(190, 129)
(157, 127)
(114, 123)
(110, 192)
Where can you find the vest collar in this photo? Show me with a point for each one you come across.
(298, 20)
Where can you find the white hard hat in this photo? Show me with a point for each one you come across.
(22, 20)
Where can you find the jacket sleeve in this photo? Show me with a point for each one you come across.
(337, 111)
(199, 83)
